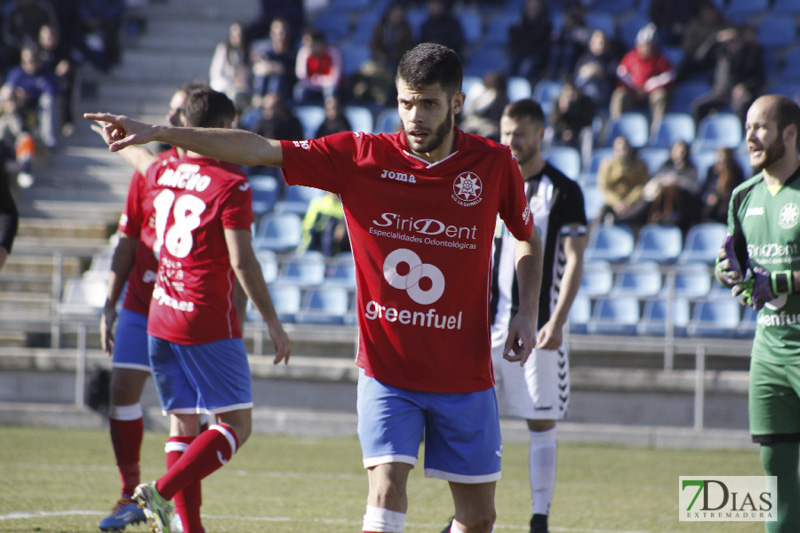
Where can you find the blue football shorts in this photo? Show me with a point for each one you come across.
(203, 378)
(130, 341)
(461, 431)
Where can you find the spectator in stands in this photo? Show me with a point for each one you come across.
(392, 36)
(38, 86)
(56, 57)
(230, 67)
(484, 106)
(569, 41)
(722, 177)
(324, 228)
(319, 69)
(621, 178)
(442, 27)
(273, 61)
(645, 78)
(276, 121)
(100, 22)
(671, 195)
(22, 20)
(292, 11)
(708, 20)
(738, 72)
(671, 18)
(335, 119)
(529, 41)
(596, 69)
(17, 145)
(571, 118)
(9, 219)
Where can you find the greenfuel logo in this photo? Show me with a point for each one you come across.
(728, 498)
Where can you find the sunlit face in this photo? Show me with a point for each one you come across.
(765, 144)
(428, 116)
(175, 113)
(523, 136)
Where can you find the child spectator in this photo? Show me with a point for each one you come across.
(319, 69)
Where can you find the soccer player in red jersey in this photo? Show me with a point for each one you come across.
(421, 207)
(195, 213)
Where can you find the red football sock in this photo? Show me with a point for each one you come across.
(208, 452)
(126, 437)
(187, 500)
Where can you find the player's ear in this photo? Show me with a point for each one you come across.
(458, 102)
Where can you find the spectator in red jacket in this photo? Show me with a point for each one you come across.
(645, 77)
(319, 69)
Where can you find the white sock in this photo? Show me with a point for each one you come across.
(542, 467)
(377, 519)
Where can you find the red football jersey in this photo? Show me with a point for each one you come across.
(194, 199)
(143, 275)
(421, 236)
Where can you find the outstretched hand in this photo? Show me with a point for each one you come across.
(120, 131)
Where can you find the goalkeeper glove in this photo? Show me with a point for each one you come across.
(763, 287)
(727, 269)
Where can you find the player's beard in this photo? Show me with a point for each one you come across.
(523, 154)
(437, 136)
(770, 155)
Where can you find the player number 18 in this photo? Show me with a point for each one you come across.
(186, 217)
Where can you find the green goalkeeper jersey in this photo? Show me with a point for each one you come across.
(765, 223)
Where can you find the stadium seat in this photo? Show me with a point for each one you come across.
(100, 267)
(348, 5)
(743, 11)
(597, 280)
(83, 296)
(609, 243)
(715, 317)
(629, 28)
(365, 24)
(601, 20)
(305, 270)
(360, 118)
(654, 317)
(638, 280)
(684, 93)
(326, 305)
(614, 316)
(632, 125)
(747, 325)
(497, 28)
(615, 7)
(471, 24)
(674, 127)
(416, 17)
(658, 242)
(296, 199)
(468, 82)
(566, 159)
(691, 281)
(702, 243)
(776, 32)
(354, 54)
(335, 25)
(593, 201)
(579, 314)
(518, 88)
(546, 91)
(653, 158)
(703, 160)
(310, 116)
(280, 232)
(790, 72)
(388, 121)
(341, 272)
(589, 174)
(269, 264)
(718, 130)
(286, 300)
(485, 59)
(786, 7)
(266, 190)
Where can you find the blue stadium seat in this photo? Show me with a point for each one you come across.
(354, 54)
(280, 232)
(388, 121)
(691, 281)
(567, 159)
(335, 25)
(674, 127)
(654, 317)
(286, 300)
(83, 296)
(310, 116)
(614, 316)
(609, 243)
(597, 280)
(628, 29)
(684, 93)
(305, 270)
(791, 70)
(747, 325)
(341, 272)
(786, 7)
(471, 24)
(703, 160)
(658, 242)
(638, 280)
(416, 17)
(269, 264)
(653, 158)
(632, 125)
(579, 314)
(601, 20)
(484, 59)
(498, 26)
(360, 118)
(589, 175)
(715, 317)
(718, 130)
(615, 7)
(326, 305)
(519, 88)
(365, 24)
(469, 81)
(702, 243)
(776, 31)
(546, 91)
(593, 201)
(296, 199)
(266, 190)
(348, 5)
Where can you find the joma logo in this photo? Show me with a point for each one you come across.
(398, 176)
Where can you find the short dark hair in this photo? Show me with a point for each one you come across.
(206, 108)
(430, 63)
(787, 112)
(526, 107)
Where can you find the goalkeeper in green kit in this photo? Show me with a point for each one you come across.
(760, 261)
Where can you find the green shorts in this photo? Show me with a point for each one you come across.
(774, 402)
